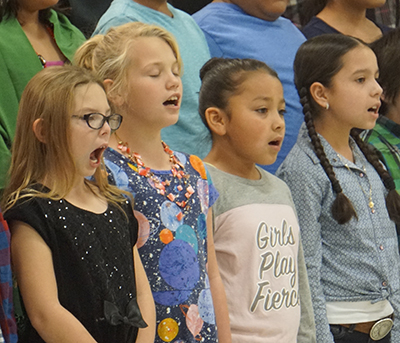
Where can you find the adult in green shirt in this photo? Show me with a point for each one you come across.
(32, 36)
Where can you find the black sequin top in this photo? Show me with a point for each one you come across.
(93, 264)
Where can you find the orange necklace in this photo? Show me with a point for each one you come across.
(162, 187)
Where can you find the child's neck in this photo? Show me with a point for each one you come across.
(157, 5)
(86, 197)
(337, 137)
(223, 158)
(28, 18)
(149, 147)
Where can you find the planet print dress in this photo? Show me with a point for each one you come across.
(173, 243)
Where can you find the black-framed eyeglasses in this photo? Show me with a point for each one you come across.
(96, 120)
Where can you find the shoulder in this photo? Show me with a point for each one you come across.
(218, 15)
(302, 169)
(119, 13)
(317, 27)
(208, 12)
(31, 210)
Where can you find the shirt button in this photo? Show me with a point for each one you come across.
(381, 247)
(384, 283)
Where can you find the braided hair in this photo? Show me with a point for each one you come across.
(331, 48)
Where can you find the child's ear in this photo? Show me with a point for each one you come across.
(216, 120)
(112, 94)
(38, 130)
(320, 95)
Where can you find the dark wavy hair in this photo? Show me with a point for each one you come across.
(318, 60)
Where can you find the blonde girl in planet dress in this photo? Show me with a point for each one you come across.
(141, 67)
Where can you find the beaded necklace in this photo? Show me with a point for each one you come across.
(163, 187)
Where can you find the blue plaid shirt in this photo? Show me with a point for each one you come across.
(357, 261)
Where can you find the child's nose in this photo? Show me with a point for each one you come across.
(279, 123)
(377, 89)
(105, 129)
(173, 81)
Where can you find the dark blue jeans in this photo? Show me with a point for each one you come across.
(342, 335)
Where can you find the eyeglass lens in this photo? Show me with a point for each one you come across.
(97, 120)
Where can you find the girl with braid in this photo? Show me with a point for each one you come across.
(346, 201)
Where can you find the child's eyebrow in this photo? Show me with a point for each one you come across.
(158, 64)
(92, 110)
(268, 99)
(366, 70)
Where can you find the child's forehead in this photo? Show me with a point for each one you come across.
(359, 58)
(259, 85)
(259, 76)
(146, 50)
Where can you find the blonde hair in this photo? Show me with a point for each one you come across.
(49, 96)
(107, 55)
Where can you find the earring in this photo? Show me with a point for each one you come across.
(327, 106)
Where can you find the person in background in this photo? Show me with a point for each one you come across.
(189, 134)
(32, 36)
(387, 15)
(85, 14)
(255, 29)
(342, 16)
(385, 136)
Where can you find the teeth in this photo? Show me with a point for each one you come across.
(95, 160)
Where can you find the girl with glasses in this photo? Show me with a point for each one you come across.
(73, 240)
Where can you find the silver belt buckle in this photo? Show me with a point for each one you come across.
(381, 328)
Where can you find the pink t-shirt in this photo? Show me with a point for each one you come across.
(257, 249)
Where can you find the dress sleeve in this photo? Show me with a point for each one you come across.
(29, 211)
(308, 197)
(212, 191)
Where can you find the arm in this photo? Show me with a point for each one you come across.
(306, 332)
(33, 266)
(307, 195)
(145, 301)
(217, 288)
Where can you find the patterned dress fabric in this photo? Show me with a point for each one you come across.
(173, 245)
(93, 264)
